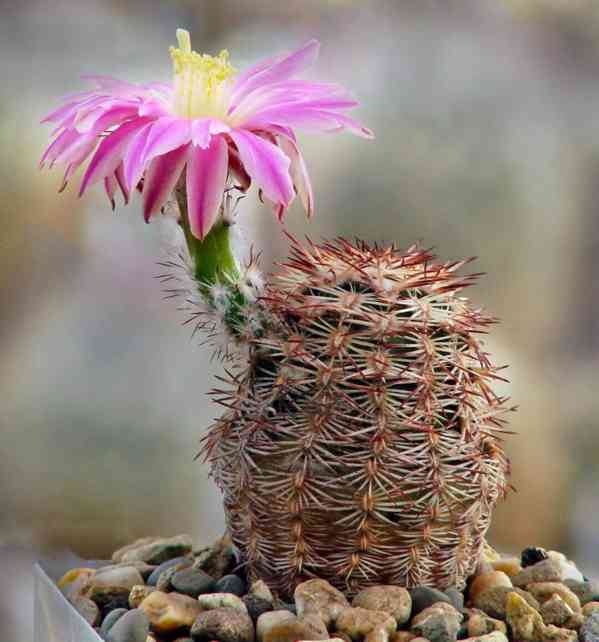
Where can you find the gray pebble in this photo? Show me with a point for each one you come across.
(134, 626)
(192, 582)
(256, 605)
(455, 597)
(589, 631)
(230, 584)
(111, 618)
(155, 574)
(424, 596)
(587, 591)
(87, 608)
(223, 624)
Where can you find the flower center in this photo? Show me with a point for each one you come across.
(201, 81)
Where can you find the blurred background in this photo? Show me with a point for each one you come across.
(487, 121)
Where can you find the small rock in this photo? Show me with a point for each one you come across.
(111, 618)
(495, 636)
(256, 606)
(555, 611)
(216, 560)
(138, 594)
(309, 627)
(108, 598)
(224, 624)
(493, 600)
(260, 589)
(532, 555)
(402, 636)
(509, 565)
(489, 554)
(117, 556)
(343, 637)
(145, 570)
(590, 607)
(394, 600)
(74, 581)
(273, 619)
(155, 551)
(480, 624)
(87, 609)
(575, 621)
(123, 576)
(587, 591)
(455, 597)
(192, 582)
(589, 631)
(547, 570)
(230, 584)
(179, 562)
(542, 591)
(133, 626)
(438, 623)
(170, 611)
(424, 596)
(318, 597)
(488, 580)
(372, 626)
(163, 583)
(526, 623)
(286, 606)
(217, 600)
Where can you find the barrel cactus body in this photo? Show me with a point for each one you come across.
(362, 444)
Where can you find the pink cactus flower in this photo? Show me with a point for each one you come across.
(217, 125)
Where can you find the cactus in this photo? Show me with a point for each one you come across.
(362, 443)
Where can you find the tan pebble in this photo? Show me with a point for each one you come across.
(318, 597)
(575, 621)
(489, 554)
(555, 611)
(440, 620)
(420, 640)
(342, 637)
(590, 607)
(124, 576)
(527, 624)
(170, 611)
(543, 591)
(138, 594)
(117, 556)
(372, 626)
(310, 627)
(394, 600)
(272, 619)
(495, 636)
(547, 570)
(509, 565)
(210, 601)
(74, 582)
(488, 580)
(402, 636)
(493, 600)
(260, 589)
(480, 623)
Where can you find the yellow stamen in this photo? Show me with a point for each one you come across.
(200, 80)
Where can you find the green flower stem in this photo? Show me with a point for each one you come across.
(212, 257)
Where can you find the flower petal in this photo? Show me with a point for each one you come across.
(271, 71)
(266, 164)
(161, 178)
(206, 177)
(299, 173)
(133, 164)
(110, 153)
(167, 133)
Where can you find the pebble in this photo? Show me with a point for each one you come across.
(145, 570)
(489, 554)
(589, 631)
(532, 555)
(74, 581)
(479, 624)
(402, 636)
(163, 583)
(543, 591)
(218, 600)
(509, 565)
(372, 626)
(455, 597)
(438, 623)
(590, 607)
(424, 596)
(192, 582)
(495, 636)
(587, 591)
(256, 606)
(122, 576)
(224, 624)
(230, 584)
(108, 598)
(318, 597)
(527, 624)
(170, 611)
(260, 589)
(155, 551)
(179, 562)
(138, 594)
(111, 618)
(87, 609)
(493, 600)
(547, 570)
(133, 626)
(555, 611)
(487, 581)
(268, 621)
(309, 627)
(216, 560)
(394, 600)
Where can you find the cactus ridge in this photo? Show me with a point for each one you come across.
(363, 444)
